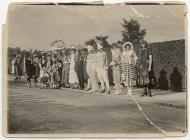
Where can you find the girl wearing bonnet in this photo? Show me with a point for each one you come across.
(128, 60)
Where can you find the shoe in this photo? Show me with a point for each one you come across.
(91, 91)
(102, 91)
(67, 86)
(145, 94)
(87, 89)
(150, 95)
(81, 88)
(108, 92)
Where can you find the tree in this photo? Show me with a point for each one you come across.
(132, 32)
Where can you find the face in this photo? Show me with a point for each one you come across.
(119, 45)
(82, 52)
(72, 51)
(63, 51)
(143, 46)
(114, 47)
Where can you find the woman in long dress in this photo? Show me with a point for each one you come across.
(42, 65)
(73, 79)
(128, 59)
(88, 67)
(13, 67)
(29, 69)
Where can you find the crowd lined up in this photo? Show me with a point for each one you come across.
(60, 69)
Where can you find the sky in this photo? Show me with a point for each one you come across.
(37, 26)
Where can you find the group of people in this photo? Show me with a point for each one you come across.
(60, 69)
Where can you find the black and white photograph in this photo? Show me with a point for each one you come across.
(95, 70)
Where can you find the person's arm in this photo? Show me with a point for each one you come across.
(40, 65)
(122, 60)
(150, 62)
(135, 58)
(106, 60)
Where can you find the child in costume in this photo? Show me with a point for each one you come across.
(116, 67)
(102, 67)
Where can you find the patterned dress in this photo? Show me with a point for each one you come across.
(128, 59)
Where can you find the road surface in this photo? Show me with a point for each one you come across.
(67, 111)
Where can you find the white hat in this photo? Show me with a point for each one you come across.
(127, 43)
(90, 48)
(99, 46)
(73, 47)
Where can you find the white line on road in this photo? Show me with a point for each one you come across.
(152, 123)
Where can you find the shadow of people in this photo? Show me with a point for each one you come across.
(176, 80)
(163, 81)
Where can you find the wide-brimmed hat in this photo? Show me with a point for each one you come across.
(90, 48)
(73, 47)
(127, 43)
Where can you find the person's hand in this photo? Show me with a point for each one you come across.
(106, 67)
(149, 69)
(112, 63)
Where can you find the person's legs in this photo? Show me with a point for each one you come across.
(81, 74)
(93, 77)
(100, 77)
(117, 75)
(67, 68)
(88, 76)
(52, 79)
(63, 77)
(79, 71)
(59, 78)
(105, 79)
(145, 83)
(28, 80)
(35, 80)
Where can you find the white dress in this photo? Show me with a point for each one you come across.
(13, 66)
(72, 73)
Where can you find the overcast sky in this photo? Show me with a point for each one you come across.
(38, 26)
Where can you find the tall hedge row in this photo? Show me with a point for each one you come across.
(167, 55)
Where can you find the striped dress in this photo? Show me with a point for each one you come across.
(128, 59)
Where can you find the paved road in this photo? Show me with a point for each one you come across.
(34, 110)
